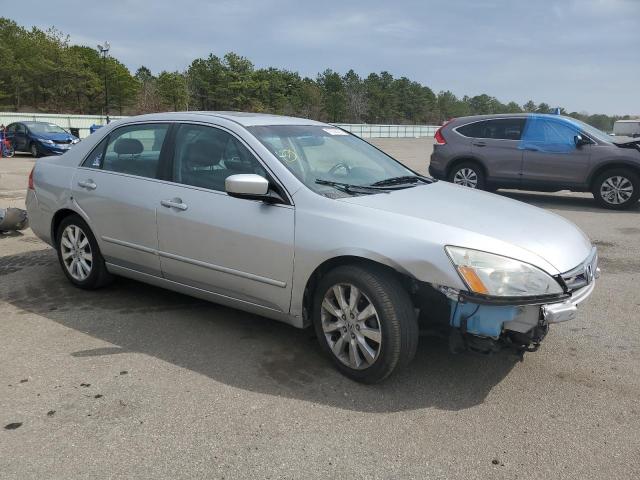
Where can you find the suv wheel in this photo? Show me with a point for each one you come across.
(79, 254)
(365, 322)
(616, 189)
(468, 174)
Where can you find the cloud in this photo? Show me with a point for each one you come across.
(574, 53)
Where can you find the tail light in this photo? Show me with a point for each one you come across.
(31, 179)
(439, 138)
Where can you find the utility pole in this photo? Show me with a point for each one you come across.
(104, 50)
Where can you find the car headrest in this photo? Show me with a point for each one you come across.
(128, 146)
(203, 153)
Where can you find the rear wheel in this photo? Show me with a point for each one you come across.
(468, 174)
(365, 322)
(617, 189)
(79, 255)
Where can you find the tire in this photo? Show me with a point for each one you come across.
(468, 174)
(616, 189)
(393, 322)
(33, 148)
(71, 252)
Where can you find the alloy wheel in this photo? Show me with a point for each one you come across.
(351, 326)
(616, 190)
(76, 253)
(466, 177)
(34, 150)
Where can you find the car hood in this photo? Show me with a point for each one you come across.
(546, 235)
(56, 137)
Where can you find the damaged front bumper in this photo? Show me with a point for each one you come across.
(487, 325)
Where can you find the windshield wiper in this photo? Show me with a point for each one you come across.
(352, 189)
(402, 180)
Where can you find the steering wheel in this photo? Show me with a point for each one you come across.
(338, 166)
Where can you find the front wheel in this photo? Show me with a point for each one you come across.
(79, 255)
(468, 174)
(616, 189)
(365, 321)
(34, 150)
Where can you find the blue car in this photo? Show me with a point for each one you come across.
(40, 138)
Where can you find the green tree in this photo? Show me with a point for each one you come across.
(333, 95)
(172, 90)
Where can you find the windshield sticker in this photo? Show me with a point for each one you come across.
(335, 131)
(288, 155)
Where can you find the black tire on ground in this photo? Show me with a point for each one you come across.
(628, 179)
(33, 148)
(98, 276)
(463, 170)
(397, 318)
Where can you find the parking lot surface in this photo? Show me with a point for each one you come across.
(134, 381)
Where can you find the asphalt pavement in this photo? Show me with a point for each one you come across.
(136, 382)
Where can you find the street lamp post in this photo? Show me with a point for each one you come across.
(104, 50)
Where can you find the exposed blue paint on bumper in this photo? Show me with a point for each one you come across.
(482, 320)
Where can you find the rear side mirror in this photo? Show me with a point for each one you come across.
(251, 187)
(580, 140)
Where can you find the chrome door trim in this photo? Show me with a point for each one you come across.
(219, 298)
(210, 266)
(218, 268)
(134, 246)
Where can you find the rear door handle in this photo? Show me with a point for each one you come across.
(479, 144)
(174, 203)
(89, 185)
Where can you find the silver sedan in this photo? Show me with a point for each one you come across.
(302, 222)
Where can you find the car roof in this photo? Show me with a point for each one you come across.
(475, 118)
(246, 119)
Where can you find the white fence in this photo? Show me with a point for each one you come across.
(389, 131)
(83, 122)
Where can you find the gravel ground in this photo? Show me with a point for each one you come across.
(133, 381)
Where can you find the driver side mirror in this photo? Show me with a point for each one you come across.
(251, 187)
(579, 140)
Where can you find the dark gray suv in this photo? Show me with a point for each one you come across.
(538, 152)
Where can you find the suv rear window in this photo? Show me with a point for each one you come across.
(499, 129)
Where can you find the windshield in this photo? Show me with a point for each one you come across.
(318, 155)
(591, 131)
(45, 128)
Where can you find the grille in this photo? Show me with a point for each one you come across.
(583, 274)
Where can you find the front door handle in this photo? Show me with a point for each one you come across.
(174, 203)
(479, 144)
(89, 184)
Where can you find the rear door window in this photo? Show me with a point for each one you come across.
(134, 150)
(498, 129)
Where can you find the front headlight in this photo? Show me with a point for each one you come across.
(48, 142)
(499, 276)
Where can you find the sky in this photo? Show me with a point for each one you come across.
(583, 55)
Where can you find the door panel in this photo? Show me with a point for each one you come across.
(122, 215)
(234, 247)
(495, 143)
(18, 138)
(502, 158)
(551, 156)
(118, 191)
(209, 240)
